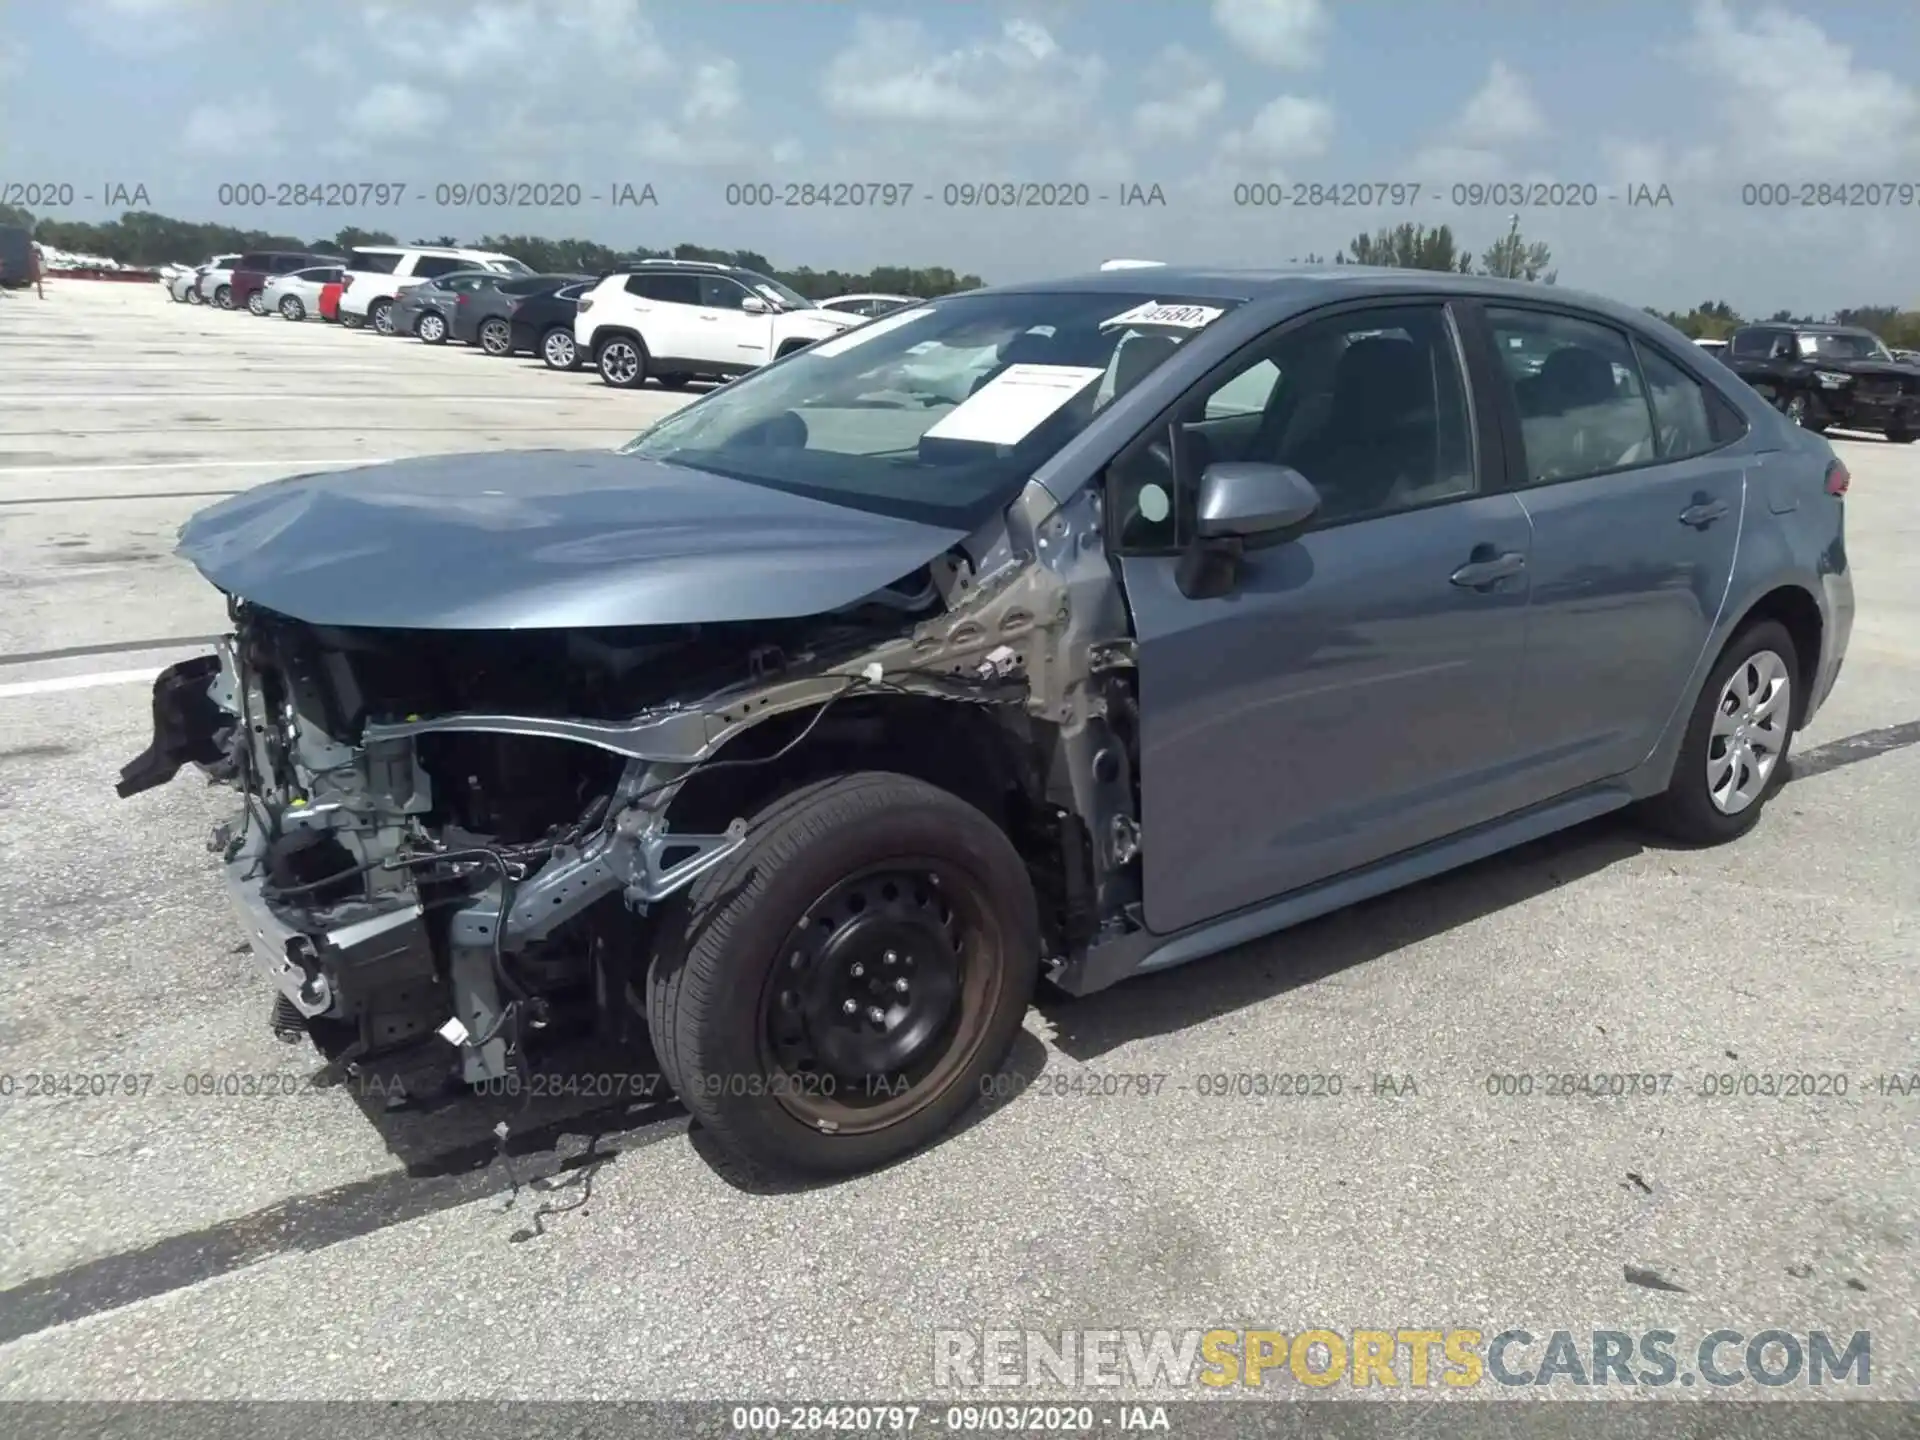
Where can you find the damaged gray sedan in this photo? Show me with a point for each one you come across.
(1073, 630)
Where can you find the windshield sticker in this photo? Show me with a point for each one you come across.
(1180, 317)
(861, 334)
(1010, 407)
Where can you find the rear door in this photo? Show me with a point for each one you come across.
(1618, 454)
(664, 308)
(1352, 697)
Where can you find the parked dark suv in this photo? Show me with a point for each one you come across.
(255, 268)
(1830, 375)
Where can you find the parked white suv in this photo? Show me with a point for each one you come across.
(679, 320)
(374, 274)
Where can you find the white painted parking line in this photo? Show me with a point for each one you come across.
(57, 683)
(189, 465)
(277, 397)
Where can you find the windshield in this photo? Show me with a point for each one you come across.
(939, 413)
(1843, 347)
(785, 294)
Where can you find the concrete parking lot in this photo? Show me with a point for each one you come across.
(177, 1244)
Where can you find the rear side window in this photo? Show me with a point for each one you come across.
(256, 261)
(668, 289)
(1751, 342)
(377, 262)
(1683, 425)
(1575, 384)
(432, 266)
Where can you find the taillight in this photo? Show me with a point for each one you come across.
(460, 300)
(514, 308)
(1838, 478)
(586, 304)
(346, 283)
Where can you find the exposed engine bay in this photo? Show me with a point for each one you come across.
(472, 832)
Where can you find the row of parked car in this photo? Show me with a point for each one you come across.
(671, 321)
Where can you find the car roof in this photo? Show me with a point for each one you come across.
(1301, 287)
(429, 250)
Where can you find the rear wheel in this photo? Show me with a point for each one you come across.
(674, 382)
(1734, 754)
(257, 303)
(380, 316)
(223, 296)
(194, 297)
(496, 337)
(558, 350)
(833, 997)
(432, 328)
(1900, 435)
(622, 362)
(1805, 411)
(291, 307)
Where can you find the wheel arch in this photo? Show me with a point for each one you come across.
(962, 748)
(1794, 607)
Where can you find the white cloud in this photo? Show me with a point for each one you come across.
(589, 41)
(13, 58)
(1501, 112)
(1500, 116)
(1018, 85)
(713, 95)
(225, 129)
(1185, 95)
(146, 25)
(1794, 96)
(1287, 128)
(1286, 34)
(397, 111)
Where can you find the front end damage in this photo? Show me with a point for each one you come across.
(473, 832)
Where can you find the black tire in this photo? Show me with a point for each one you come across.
(257, 303)
(621, 361)
(291, 308)
(496, 336)
(674, 382)
(194, 297)
(716, 1026)
(431, 328)
(380, 317)
(1686, 810)
(1900, 436)
(351, 321)
(557, 350)
(223, 296)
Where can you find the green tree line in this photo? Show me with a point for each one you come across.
(1715, 320)
(144, 238)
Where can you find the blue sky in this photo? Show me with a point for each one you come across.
(1702, 96)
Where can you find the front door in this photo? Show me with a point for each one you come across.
(1636, 510)
(733, 336)
(1352, 696)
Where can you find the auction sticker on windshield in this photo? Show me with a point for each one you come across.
(1180, 317)
(1009, 407)
(861, 334)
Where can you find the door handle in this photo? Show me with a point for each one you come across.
(1702, 515)
(1480, 574)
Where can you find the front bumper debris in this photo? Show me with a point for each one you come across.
(186, 727)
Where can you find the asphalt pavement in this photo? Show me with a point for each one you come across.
(216, 1227)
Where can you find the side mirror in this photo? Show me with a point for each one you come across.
(1242, 505)
(754, 305)
(1247, 500)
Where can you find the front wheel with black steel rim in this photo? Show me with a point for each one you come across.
(380, 316)
(622, 362)
(1734, 754)
(558, 350)
(835, 995)
(432, 328)
(291, 308)
(496, 337)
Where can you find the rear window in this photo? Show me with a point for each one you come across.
(378, 262)
(529, 285)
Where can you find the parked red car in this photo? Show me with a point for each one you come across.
(330, 301)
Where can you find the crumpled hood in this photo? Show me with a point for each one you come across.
(544, 539)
